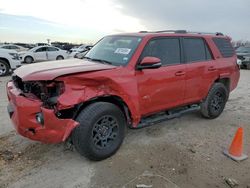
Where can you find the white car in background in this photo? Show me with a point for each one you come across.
(9, 60)
(81, 49)
(43, 53)
(13, 47)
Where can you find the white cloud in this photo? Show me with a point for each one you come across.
(100, 15)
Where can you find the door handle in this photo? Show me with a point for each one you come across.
(179, 73)
(211, 69)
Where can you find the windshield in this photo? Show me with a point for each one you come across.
(243, 49)
(117, 50)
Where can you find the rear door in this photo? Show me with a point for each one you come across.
(201, 68)
(52, 53)
(162, 88)
(41, 54)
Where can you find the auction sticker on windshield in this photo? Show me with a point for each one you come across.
(124, 51)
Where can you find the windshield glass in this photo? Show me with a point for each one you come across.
(117, 50)
(243, 49)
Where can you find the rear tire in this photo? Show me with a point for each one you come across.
(215, 102)
(4, 68)
(59, 57)
(28, 59)
(101, 131)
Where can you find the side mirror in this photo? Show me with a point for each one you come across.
(149, 63)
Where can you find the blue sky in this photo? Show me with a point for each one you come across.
(86, 21)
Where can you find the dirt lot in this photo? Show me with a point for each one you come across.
(184, 152)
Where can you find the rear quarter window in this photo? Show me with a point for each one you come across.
(224, 46)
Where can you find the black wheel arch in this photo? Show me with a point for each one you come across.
(226, 81)
(5, 60)
(60, 56)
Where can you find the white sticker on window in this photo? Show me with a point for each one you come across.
(124, 51)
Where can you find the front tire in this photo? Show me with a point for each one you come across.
(101, 131)
(4, 68)
(215, 102)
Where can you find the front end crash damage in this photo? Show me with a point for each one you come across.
(45, 110)
(34, 114)
(79, 92)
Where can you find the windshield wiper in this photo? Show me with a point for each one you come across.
(99, 60)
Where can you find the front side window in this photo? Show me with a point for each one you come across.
(14, 47)
(6, 47)
(166, 49)
(117, 50)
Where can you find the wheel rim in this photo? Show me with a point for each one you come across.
(59, 58)
(105, 131)
(218, 102)
(3, 68)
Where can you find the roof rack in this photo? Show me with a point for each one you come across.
(184, 32)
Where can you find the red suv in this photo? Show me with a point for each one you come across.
(126, 80)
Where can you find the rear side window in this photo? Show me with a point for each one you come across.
(51, 49)
(196, 50)
(224, 46)
(42, 49)
(166, 49)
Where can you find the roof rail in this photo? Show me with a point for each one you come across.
(184, 32)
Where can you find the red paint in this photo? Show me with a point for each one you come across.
(143, 91)
(54, 130)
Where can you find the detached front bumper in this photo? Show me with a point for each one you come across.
(24, 114)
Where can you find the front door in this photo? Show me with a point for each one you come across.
(162, 88)
(52, 53)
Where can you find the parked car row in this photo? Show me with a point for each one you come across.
(43, 53)
(11, 55)
(13, 47)
(243, 55)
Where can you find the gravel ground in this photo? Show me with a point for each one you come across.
(183, 152)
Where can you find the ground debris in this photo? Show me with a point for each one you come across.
(231, 182)
(192, 150)
(7, 155)
(143, 186)
(68, 146)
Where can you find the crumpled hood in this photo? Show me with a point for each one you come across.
(53, 69)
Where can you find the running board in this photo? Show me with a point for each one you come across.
(166, 115)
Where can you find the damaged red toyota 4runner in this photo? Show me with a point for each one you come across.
(127, 80)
